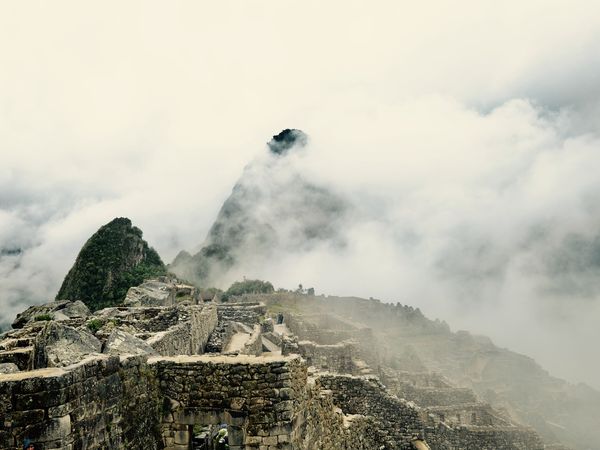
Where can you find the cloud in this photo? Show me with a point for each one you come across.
(465, 139)
(488, 221)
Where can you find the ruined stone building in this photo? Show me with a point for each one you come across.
(168, 368)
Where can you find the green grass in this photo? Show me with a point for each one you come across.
(95, 324)
(44, 317)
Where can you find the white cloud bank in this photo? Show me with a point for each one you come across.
(467, 134)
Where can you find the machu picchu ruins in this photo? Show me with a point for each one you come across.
(136, 354)
(280, 370)
(300, 225)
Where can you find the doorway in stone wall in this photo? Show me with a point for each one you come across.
(202, 437)
(197, 429)
(215, 437)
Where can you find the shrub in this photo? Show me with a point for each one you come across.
(94, 325)
(44, 317)
(249, 287)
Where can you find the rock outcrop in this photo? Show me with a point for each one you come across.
(122, 343)
(111, 261)
(163, 291)
(60, 345)
(58, 310)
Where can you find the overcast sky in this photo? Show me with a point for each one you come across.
(466, 133)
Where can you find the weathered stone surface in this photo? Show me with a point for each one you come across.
(60, 345)
(58, 310)
(189, 335)
(163, 291)
(76, 309)
(122, 343)
(21, 357)
(150, 293)
(98, 403)
(8, 368)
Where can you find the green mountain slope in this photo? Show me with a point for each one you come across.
(110, 262)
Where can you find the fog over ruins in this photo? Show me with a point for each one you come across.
(299, 221)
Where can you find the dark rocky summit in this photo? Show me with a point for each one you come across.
(286, 140)
(111, 261)
(272, 207)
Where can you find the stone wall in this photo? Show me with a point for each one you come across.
(268, 403)
(16, 346)
(99, 403)
(220, 337)
(305, 329)
(314, 328)
(246, 313)
(203, 322)
(21, 357)
(106, 402)
(257, 397)
(415, 379)
(434, 396)
(478, 414)
(396, 421)
(334, 358)
(273, 337)
(189, 337)
(324, 426)
(249, 314)
(265, 401)
(254, 344)
(483, 438)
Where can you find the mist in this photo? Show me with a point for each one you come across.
(465, 141)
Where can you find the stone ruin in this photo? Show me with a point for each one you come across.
(171, 365)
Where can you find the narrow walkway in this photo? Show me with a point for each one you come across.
(281, 329)
(238, 340)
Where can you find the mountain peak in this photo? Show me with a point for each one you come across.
(115, 258)
(281, 143)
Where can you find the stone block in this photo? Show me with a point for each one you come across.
(270, 440)
(286, 393)
(24, 418)
(62, 410)
(52, 430)
(182, 438)
(252, 440)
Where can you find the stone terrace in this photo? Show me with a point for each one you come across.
(161, 398)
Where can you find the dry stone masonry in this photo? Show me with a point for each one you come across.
(169, 367)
